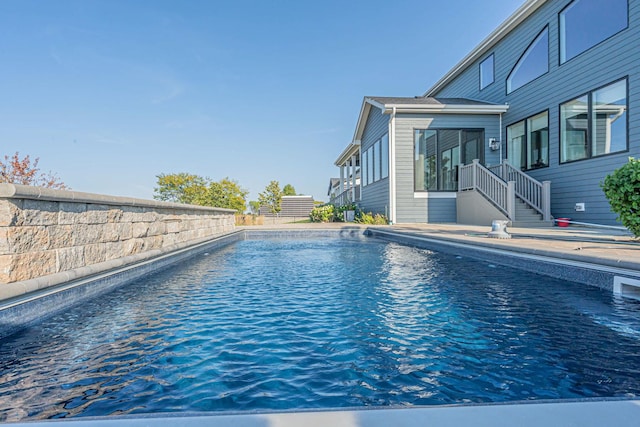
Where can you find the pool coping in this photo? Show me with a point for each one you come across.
(583, 413)
(588, 270)
(588, 412)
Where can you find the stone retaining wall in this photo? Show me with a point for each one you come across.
(44, 232)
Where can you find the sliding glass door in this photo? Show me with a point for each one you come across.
(438, 153)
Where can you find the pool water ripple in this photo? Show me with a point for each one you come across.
(289, 324)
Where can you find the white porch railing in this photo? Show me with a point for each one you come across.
(534, 193)
(346, 197)
(500, 193)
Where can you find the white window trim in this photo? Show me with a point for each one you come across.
(435, 195)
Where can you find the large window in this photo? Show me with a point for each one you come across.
(532, 64)
(516, 145)
(585, 23)
(486, 72)
(594, 124)
(424, 169)
(538, 141)
(438, 154)
(528, 142)
(370, 165)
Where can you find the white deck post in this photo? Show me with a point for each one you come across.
(546, 200)
(341, 188)
(353, 178)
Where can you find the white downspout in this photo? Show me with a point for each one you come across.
(392, 167)
(500, 139)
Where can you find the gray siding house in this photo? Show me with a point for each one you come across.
(524, 128)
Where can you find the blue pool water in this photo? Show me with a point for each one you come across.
(289, 324)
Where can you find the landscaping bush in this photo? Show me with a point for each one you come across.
(339, 216)
(370, 219)
(622, 188)
(324, 213)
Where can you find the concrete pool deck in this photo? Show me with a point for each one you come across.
(601, 248)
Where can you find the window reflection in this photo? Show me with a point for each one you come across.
(609, 119)
(573, 129)
(538, 141)
(533, 64)
(594, 124)
(585, 23)
(486, 72)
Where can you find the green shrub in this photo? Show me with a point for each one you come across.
(622, 188)
(370, 219)
(324, 213)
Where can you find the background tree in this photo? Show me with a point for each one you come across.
(16, 170)
(180, 188)
(227, 194)
(197, 190)
(254, 205)
(271, 197)
(288, 190)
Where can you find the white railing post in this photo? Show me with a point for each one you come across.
(546, 200)
(475, 173)
(511, 200)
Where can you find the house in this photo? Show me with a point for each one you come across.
(524, 128)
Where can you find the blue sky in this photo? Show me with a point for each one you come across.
(111, 93)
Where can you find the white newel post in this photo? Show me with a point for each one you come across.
(511, 200)
(475, 172)
(546, 200)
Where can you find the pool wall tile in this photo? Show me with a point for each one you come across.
(21, 312)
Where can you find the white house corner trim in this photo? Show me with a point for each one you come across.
(392, 167)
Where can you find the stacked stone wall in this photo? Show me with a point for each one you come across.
(44, 232)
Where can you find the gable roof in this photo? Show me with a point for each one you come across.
(522, 13)
(417, 104)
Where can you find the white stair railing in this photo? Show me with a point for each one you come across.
(500, 193)
(534, 193)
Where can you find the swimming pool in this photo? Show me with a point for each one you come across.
(281, 324)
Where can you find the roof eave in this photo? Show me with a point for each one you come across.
(522, 13)
(347, 153)
(447, 108)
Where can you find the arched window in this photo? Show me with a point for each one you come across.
(532, 64)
